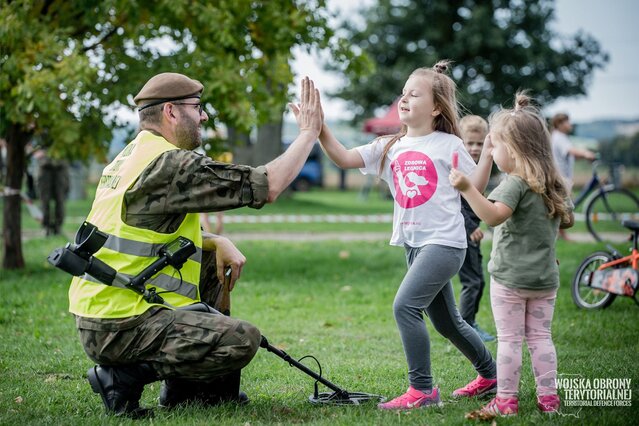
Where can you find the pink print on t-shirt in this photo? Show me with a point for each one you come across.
(415, 179)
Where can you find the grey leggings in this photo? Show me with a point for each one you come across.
(427, 288)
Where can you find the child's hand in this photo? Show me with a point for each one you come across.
(488, 145)
(476, 236)
(459, 180)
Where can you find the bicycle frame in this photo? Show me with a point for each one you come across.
(596, 183)
(632, 259)
(592, 184)
(605, 203)
(606, 274)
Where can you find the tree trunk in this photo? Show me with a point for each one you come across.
(269, 142)
(267, 147)
(242, 148)
(12, 223)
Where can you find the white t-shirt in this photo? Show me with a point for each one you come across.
(565, 161)
(427, 207)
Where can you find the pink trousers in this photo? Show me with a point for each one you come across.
(524, 314)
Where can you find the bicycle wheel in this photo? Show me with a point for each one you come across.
(585, 296)
(606, 210)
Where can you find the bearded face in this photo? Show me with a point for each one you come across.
(188, 134)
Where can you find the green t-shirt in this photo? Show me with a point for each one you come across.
(523, 254)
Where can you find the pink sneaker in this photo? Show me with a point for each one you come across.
(548, 403)
(501, 407)
(478, 387)
(413, 398)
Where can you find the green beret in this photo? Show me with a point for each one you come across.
(166, 87)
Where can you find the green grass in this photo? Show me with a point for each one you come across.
(331, 300)
(315, 202)
(307, 298)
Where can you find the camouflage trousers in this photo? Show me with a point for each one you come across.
(178, 344)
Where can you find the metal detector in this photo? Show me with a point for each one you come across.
(77, 259)
(339, 396)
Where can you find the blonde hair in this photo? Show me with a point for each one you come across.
(525, 135)
(473, 123)
(444, 98)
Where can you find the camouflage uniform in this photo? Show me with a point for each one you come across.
(189, 345)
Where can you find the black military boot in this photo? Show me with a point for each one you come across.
(121, 387)
(174, 392)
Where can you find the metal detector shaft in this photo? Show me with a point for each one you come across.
(286, 357)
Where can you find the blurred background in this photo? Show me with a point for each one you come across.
(69, 71)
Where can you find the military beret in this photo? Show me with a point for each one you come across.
(166, 87)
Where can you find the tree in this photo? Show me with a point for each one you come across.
(497, 47)
(65, 67)
(622, 149)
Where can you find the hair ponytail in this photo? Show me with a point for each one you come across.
(525, 134)
(442, 66)
(522, 100)
(444, 98)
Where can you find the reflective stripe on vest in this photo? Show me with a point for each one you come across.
(161, 280)
(129, 249)
(138, 248)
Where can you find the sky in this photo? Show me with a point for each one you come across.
(613, 92)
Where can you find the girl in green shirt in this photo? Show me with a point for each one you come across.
(527, 209)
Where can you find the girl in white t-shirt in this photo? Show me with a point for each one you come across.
(428, 223)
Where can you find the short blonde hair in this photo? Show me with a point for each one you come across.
(473, 123)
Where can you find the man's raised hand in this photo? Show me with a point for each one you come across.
(308, 113)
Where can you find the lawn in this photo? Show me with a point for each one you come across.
(328, 299)
(315, 202)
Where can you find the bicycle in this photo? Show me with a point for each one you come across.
(606, 205)
(604, 275)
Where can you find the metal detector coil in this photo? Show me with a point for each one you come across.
(339, 396)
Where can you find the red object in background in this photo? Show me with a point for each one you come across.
(455, 159)
(386, 125)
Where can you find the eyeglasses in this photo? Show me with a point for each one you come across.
(199, 105)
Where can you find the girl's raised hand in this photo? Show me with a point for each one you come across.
(488, 145)
(456, 177)
(459, 180)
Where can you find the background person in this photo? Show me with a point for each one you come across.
(474, 130)
(53, 188)
(527, 208)
(151, 193)
(428, 223)
(565, 153)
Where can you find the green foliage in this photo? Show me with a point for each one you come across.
(65, 65)
(497, 47)
(622, 149)
(307, 299)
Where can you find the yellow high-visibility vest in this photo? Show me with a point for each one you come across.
(129, 249)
